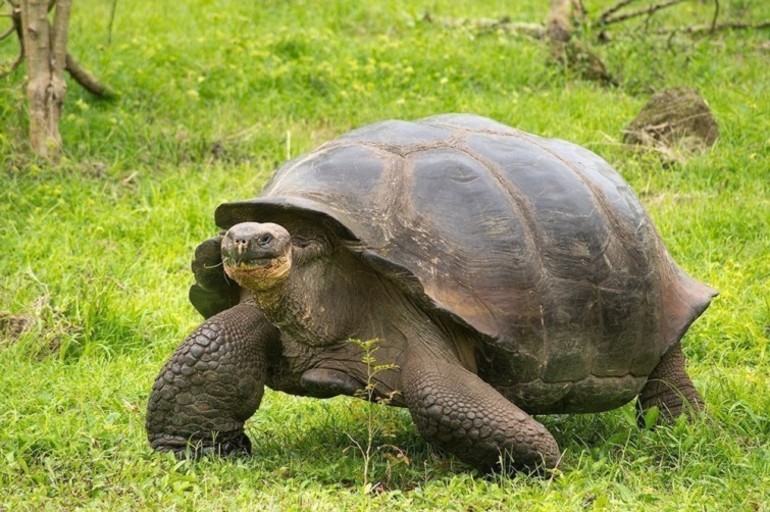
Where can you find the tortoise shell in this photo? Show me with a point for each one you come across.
(536, 244)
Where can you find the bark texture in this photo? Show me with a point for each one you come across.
(45, 47)
(568, 51)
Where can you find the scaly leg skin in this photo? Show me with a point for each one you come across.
(211, 385)
(458, 412)
(670, 389)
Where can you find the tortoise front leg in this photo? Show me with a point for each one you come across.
(457, 411)
(212, 385)
(670, 388)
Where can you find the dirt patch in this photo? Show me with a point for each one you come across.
(50, 327)
(13, 326)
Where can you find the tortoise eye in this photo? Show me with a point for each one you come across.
(263, 240)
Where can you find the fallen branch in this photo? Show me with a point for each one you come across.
(541, 31)
(485, 25)
(649, 10)
(710, 29)
(612, 10)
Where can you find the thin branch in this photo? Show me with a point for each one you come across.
(87, 81)
(716, 15)
(15, 16)
(8, 32)
(67, 61)
(14, 66)
(612, 10)
(641, 12)
(59, 33)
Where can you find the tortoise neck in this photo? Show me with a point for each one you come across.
(269, 301)
(328, 300)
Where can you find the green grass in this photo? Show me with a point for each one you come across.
(94, 251)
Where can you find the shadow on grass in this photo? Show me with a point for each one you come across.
(319, 440)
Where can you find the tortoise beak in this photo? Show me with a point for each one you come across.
(254, 245)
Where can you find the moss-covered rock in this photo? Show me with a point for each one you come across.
(674, 119)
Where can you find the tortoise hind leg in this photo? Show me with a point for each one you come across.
(670, 389)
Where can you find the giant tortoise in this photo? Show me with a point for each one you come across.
(502, 275)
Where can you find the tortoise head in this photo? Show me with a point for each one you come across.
(257, 256)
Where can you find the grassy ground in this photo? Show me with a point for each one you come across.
(94, 251)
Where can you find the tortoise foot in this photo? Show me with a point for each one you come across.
(236, 444)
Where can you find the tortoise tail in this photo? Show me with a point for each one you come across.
(684, 300)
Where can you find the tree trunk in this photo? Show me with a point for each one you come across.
(45, 46)
(559, 23)
(568, 51)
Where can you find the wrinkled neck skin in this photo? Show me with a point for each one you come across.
(331, 297)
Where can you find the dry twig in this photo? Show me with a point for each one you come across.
(614, 15)
(649, 10)
(9, 31)
(15, 17)
(716, 15)
(612, 10)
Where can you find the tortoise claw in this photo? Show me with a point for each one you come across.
(236, 444)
